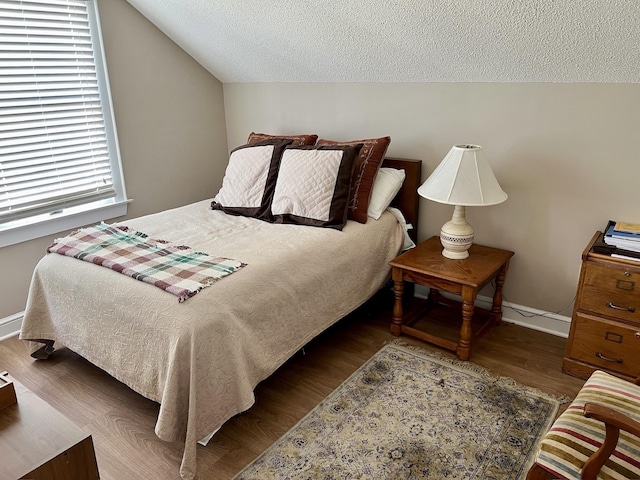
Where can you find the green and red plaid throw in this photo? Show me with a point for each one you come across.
(177, 269)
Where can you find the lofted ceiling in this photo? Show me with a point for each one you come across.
(406, 40)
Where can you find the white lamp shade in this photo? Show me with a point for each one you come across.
(463, 178)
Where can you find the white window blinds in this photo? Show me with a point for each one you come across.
(54, 151)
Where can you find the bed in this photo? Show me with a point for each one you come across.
(202, 358)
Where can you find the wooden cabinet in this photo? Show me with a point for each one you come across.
(605, 328)
(39, 443)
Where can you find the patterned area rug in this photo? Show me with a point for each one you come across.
(408, 413)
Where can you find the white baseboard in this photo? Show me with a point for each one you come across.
(533, 318)
(10, 326)
(524, 316)
(511, 313)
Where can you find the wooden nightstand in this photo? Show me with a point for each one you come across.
(426, 266)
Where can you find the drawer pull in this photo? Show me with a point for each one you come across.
(604, 357)
(613, 337)
(625, 285)
(625, 309)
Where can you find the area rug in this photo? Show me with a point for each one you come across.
(408, 414)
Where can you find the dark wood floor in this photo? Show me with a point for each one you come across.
(122, 422)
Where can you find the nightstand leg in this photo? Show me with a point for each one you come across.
(496, 309)
(464, 345)
(433, 297)
(398, 292)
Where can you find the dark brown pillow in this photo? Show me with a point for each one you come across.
(298, 140)
(312, 187)
(364, 173)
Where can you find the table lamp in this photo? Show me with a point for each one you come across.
(464, 179)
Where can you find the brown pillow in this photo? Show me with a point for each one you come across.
(364, 173)
(298, 140)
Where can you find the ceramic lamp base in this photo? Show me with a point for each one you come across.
(456, 235)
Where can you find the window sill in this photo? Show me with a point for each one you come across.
(64, 221)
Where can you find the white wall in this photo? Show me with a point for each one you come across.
(563, 152)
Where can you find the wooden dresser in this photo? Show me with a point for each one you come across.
(605, 328)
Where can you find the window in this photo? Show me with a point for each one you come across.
(59, 159)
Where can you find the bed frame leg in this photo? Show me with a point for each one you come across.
(43, 352)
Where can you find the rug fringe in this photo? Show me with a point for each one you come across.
(479, 370)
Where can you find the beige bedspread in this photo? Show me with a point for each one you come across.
(201, 359)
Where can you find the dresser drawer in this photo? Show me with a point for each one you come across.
(611, 291)
(606, 344)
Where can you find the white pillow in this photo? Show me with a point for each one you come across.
(312, 186)
(385, 187)
(245, 179)
(249, 180)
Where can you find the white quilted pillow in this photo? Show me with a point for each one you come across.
(246, 177)
(249, 180)
(312, 187)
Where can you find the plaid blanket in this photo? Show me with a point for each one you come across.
(177, 269)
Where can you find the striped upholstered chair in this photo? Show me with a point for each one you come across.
(598, 436)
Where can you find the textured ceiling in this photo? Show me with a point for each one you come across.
(406, 40)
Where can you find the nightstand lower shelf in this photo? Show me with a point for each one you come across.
(438, 322)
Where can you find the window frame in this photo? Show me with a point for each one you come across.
(73, 217)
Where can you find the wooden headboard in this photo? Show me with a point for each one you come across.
(407, 199)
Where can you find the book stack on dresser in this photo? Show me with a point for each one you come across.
(625, 237)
